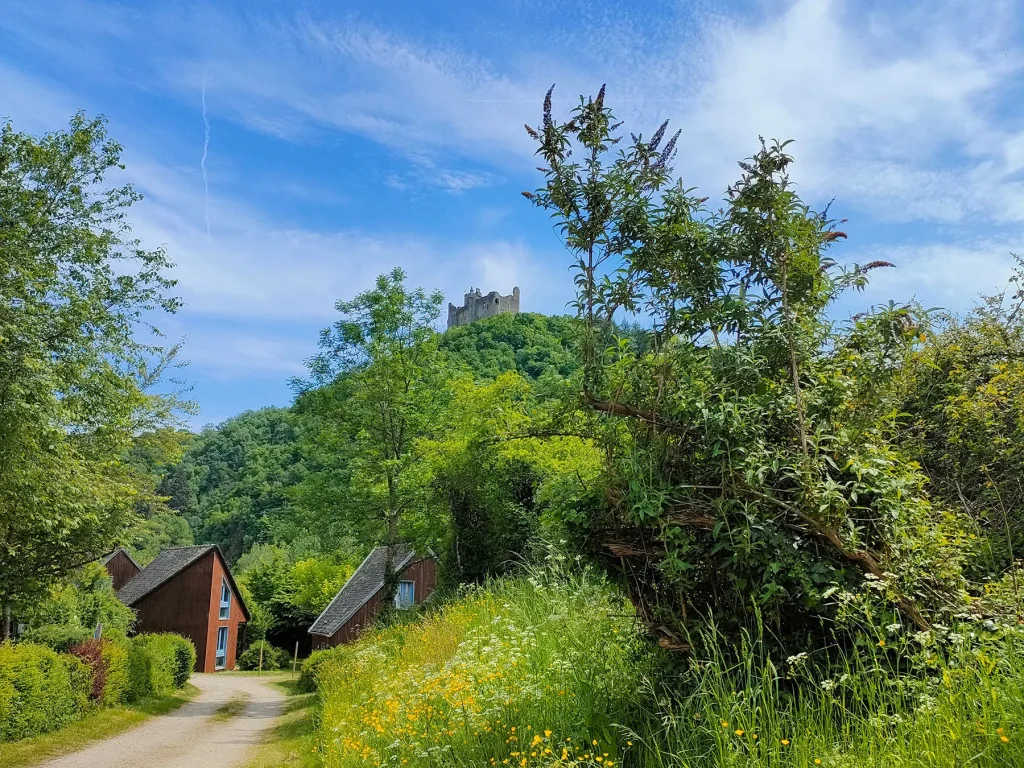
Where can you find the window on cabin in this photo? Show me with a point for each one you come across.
(406, 595)
(225, 599)
(222, 647)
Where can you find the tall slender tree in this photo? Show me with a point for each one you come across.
(76, 289)
(380, 377)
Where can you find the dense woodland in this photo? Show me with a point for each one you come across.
(755, 479)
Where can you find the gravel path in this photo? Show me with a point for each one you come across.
(186, 737)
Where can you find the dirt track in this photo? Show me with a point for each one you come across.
(187, 737)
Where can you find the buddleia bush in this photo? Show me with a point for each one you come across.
(751, 466)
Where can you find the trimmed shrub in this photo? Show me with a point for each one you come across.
(273, 657)
(184, 660)
(311, 667)
(115, 657)
(157, 664)
(58, 637)
(40, 690)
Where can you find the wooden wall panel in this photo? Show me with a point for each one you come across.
(121, 569)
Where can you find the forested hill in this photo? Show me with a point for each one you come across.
(528, 343)
(232, 483)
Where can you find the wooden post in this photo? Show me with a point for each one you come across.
(259, 672)
(295, 660)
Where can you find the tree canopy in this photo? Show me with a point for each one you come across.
(76, 291)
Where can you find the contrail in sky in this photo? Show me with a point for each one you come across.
(202, 163)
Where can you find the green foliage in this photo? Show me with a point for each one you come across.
(963, 405)
(285, 594)
(115, 661)
(72, 609)
(273, 657)
(40, 690)
(518, 670)
(312, 666)
(536, 671)
(151, 457)
(501, 474)
(158, 664)
(750, 455)
(232, 482)
(74, 374)
(184, 660)
(57, 637)
(530, 344)
(381, 383)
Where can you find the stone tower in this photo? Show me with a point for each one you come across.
(478, 306)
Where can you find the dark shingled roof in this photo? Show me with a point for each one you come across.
(364, 584)
(108, 557)
(169, 563)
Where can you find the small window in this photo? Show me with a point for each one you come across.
(222, 647)
(406, 595)
(225, 599)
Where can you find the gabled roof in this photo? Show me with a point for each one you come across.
(165, 566)
(108, 557)
(168, 564)
(363, 585)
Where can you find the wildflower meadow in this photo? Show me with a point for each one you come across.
(552, 670)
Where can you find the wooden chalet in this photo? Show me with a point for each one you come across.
(121, 566)
(190, 590)
(359, 601)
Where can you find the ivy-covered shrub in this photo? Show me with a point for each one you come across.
(157, 664)
(40, 690)
(273, 657)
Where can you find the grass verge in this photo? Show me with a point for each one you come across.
(233, 707)
(291, 742)
(101, 724)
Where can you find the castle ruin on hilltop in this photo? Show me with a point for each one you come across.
(478, 306)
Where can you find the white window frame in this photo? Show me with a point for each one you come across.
(225, 602)
(398, 595)
(221, 660)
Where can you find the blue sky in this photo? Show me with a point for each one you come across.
(347, 138)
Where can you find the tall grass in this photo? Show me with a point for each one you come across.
(524, 672)
(956, 703)
(552, 670)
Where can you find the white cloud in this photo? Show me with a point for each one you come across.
(947, 275)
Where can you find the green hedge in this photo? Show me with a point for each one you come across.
(115, 657)
(273, 657)
(158, 663)
(311, 667)
(40, 690)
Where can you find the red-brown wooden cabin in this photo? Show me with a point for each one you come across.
(359, 601)
(121, 566)
(190, 590)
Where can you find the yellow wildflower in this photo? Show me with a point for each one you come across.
(1004, 739)
(739, 731)
(785, 742)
